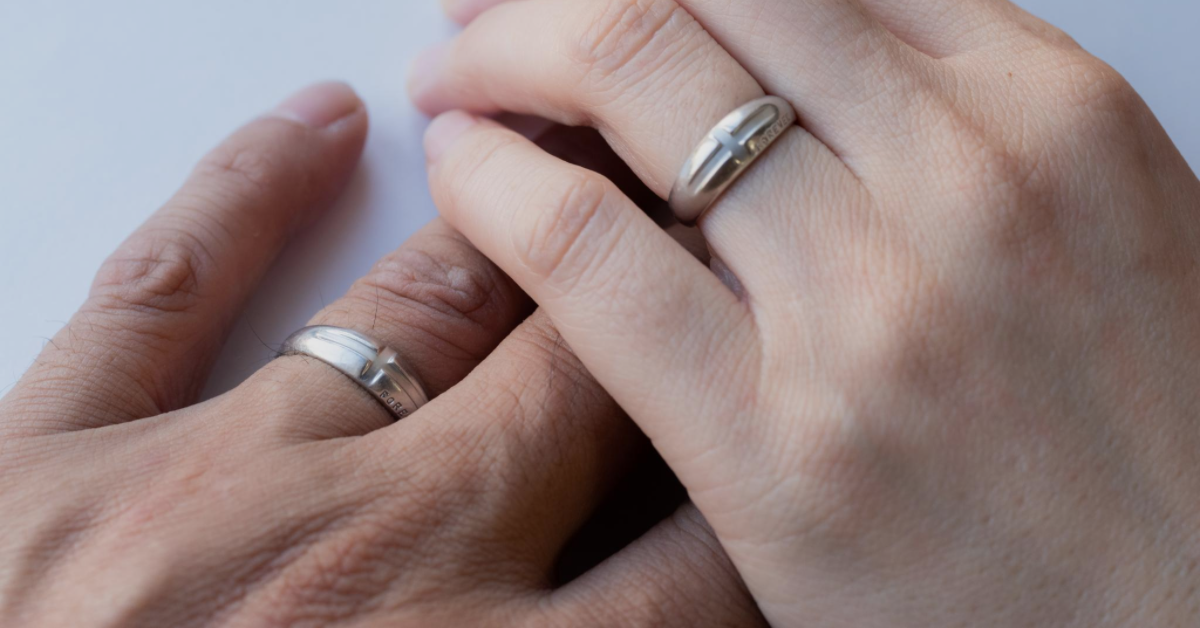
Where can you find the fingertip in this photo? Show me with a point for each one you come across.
(321, 105)
(445, 131)
(338, 114)
(463, 12)
(303, 153)
(423, 77)
(450, 8)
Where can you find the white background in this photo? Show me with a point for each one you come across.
(104, 106)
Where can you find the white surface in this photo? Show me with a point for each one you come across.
(104, 106)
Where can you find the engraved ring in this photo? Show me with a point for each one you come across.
(365, 360)
(726, 152)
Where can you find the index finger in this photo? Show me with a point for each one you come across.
(647, 319)
(161, 305)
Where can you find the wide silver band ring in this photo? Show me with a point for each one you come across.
(726, 152)
(365, 360)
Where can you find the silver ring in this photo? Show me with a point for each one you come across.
(726, 152)
(365, 360)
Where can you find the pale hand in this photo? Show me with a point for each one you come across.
(952, 377)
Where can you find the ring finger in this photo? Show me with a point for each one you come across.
(653, 81)
(436, 300)
(855, 83)
(646, 74)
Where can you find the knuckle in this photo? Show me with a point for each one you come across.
(522, 403)
(1052, 35)
(444, 472)
(41, 543)
(659, 593)
(995, 184)
(456, 177)
(1040, 31)
(1088, 86)
(845, 463)
(241, 170)
(154, 274)
(631, 35)
(476, 472)
(1002, 180)
(447, 476)
(545, 345)
(545, 367)
(837, 477)
(979, 170)
(991, 176)
(526, 407)
(555, 366)
(339, 577)
(563, 241)
(453, 298)
(439, 284)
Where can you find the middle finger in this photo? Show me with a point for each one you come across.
(537, 440)
(646, 74)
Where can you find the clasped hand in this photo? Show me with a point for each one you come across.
(939, 365)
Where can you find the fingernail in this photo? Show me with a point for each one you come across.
(444, 131)
(463, 11)
(426, 69)
(320, 105)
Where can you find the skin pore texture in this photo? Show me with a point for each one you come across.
(933, 361)
(521, 496)
(958, 382)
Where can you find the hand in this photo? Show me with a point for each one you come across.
(294, 499)
(956, 380)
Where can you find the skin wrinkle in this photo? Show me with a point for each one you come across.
(648, 83)
(449, 290)
(440, 304)
(310, 533)
(574, 208)
(323, 579)
(254, 573)
(54, 545)
(959, 415)
(434, 339)
(980, 323)
(60, 379)
(182, 247)
(624, 30)
(609, 71)
(685, 527)
(538, 417)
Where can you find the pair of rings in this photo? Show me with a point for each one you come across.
(724, 154)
